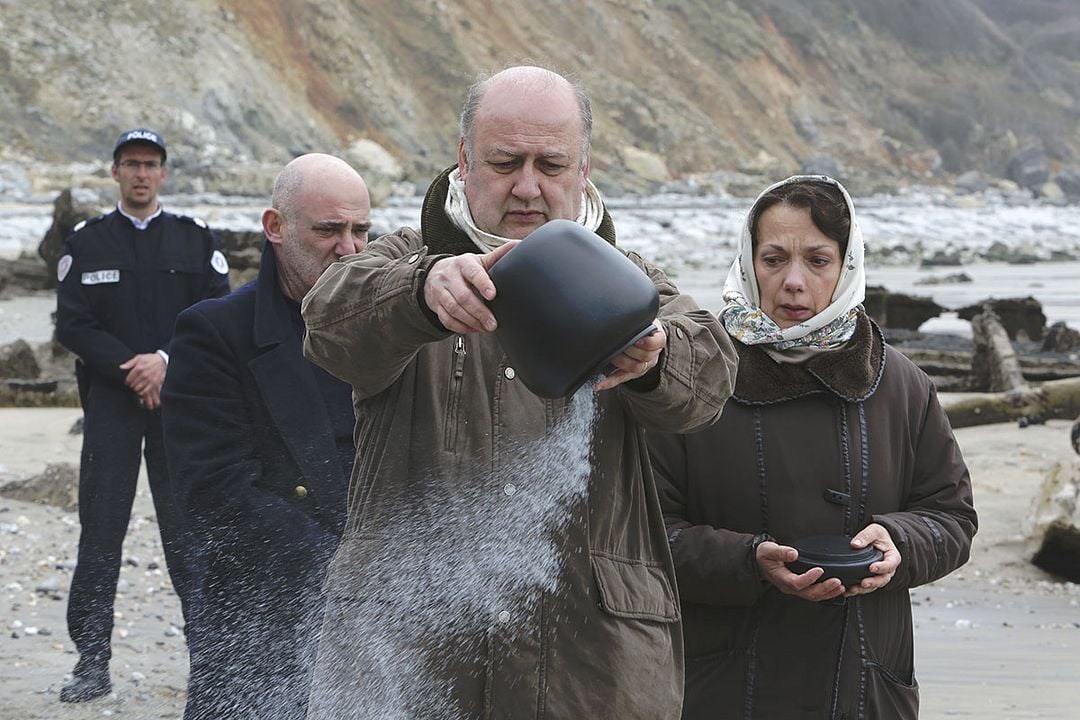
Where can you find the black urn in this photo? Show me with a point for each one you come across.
(567, 302)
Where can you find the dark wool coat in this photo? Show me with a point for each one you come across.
(256, 475)
(848, 438)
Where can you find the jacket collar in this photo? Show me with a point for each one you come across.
(283, 375)
(271, 313)
(443, 238)
(851, 372)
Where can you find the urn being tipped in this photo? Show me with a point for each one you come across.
(567, 302)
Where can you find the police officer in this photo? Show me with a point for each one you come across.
(122, 282)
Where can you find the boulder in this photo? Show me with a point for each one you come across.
(17, 360)
(379, 168)
(67, 213)
(645, 165)
(950, 279)
(56, 392)
(1029, 167)
(26, 273)
(1060, 338)
(1069, 181)
(970, 182)
(57, 485)
(5, 277)
(942, 258)
(242, 247)
(1017, 315)
(1055, 521)
(1051, 191)
(897, 310)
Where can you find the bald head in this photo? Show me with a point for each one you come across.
(523, 154)
(532, 85)
(313, 172)
(321, 211)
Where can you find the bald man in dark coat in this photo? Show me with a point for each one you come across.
(259, 443)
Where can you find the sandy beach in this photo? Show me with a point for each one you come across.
(998, 639)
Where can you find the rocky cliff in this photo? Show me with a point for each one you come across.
(692, 92)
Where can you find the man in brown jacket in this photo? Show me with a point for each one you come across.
(436, 606)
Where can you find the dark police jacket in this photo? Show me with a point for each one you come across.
(120, 288)
(250, 444)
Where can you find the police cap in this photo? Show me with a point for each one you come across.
(139, 135)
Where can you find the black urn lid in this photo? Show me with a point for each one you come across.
(835, 555)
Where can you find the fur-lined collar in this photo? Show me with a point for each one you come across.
(851, 372)
(443, 238)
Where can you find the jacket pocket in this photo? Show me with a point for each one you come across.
(634, 589)
(887, 696)
(453, 399)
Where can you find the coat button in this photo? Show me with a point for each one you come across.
(510, 373)
(413, 258)
(509, 488)
(504, 616)
(300, 492)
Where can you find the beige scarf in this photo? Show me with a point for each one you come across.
(829, 329)
(457, 209)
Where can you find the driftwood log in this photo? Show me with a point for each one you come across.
(1054, 400)
(995, 365)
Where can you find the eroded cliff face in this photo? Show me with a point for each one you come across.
(883, 92)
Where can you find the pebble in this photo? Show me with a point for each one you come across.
(48, 585)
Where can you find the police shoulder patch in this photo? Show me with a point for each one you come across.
(63, 267)
(219, 263)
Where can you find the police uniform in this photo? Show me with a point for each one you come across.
(120, 290)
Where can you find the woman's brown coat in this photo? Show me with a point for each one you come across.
(851, 437)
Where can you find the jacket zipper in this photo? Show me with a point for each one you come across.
(454, 401)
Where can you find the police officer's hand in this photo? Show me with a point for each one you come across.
(771, 560)
(146, 373)
(637, 360)
(456, 288)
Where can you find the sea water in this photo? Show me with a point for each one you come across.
(693, 239)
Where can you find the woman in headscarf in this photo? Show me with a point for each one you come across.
(830, 432)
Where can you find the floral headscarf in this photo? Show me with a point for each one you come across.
(747, 322)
